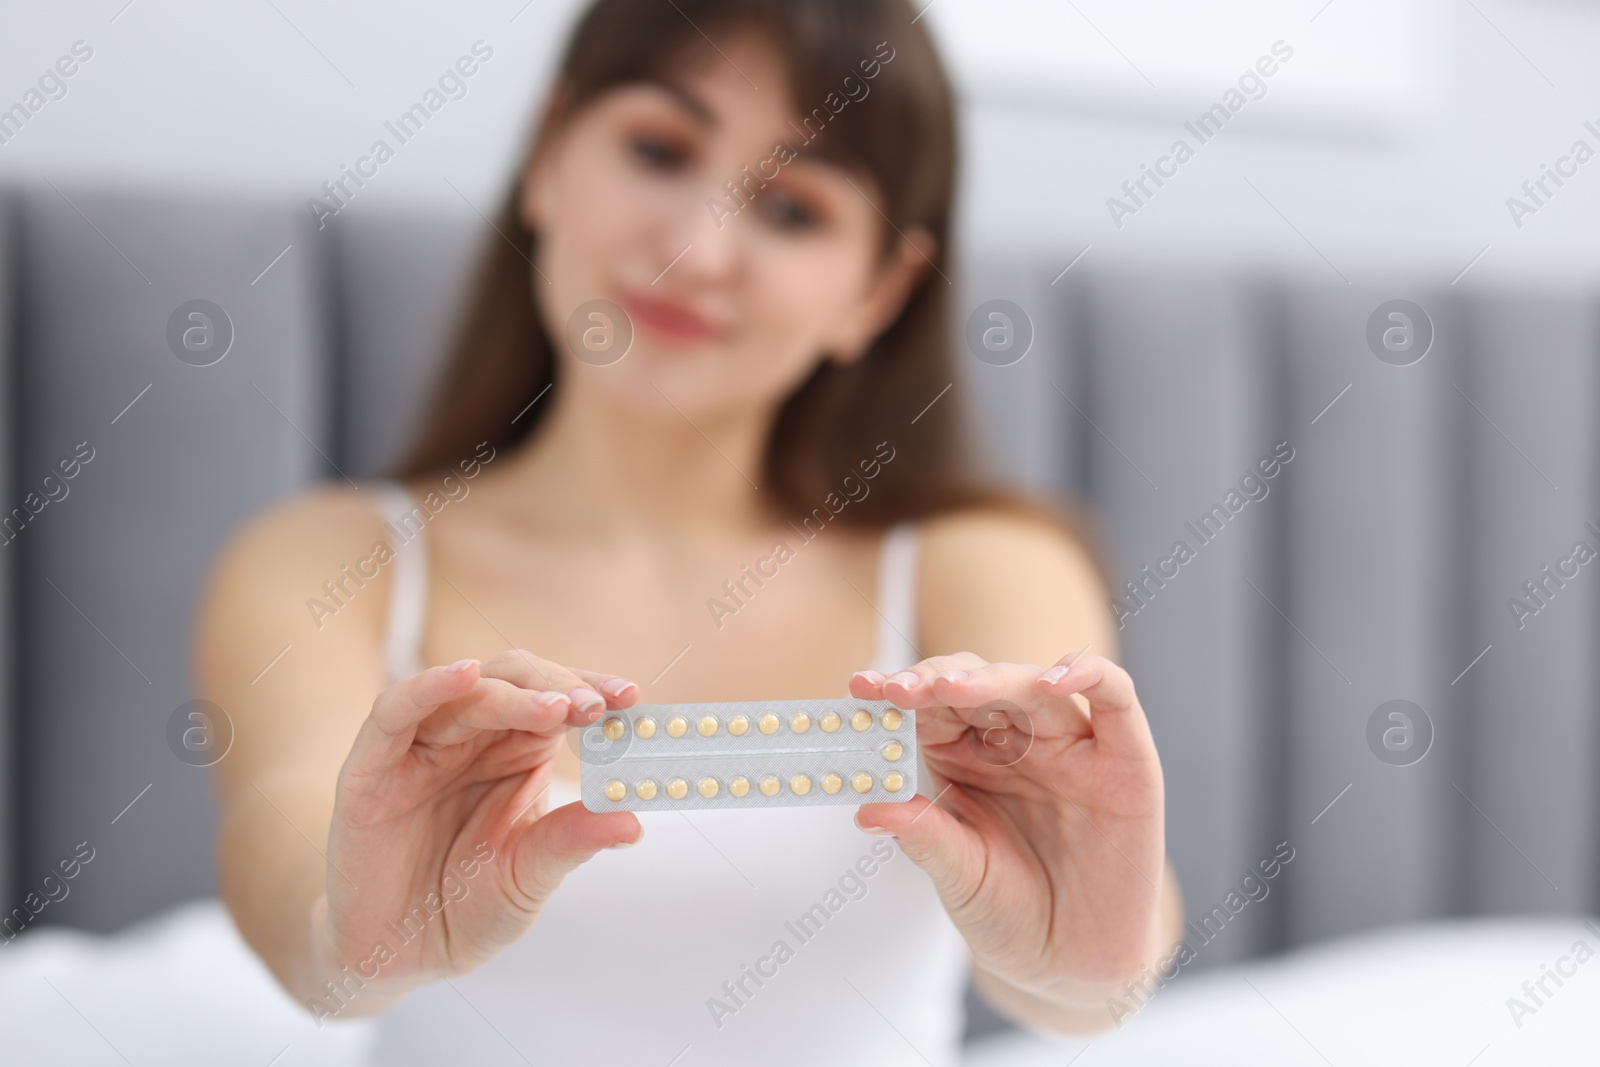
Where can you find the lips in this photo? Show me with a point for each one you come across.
(671, 320)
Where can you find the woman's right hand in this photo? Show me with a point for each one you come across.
(441, 851)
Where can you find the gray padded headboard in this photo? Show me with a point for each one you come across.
(1379, 566)
(10, 758)
(110, 572)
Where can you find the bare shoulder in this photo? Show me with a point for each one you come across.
(266, 604)
(308, 536)
(1009, 585)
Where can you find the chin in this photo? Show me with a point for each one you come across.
(702, 382)
(658, 386)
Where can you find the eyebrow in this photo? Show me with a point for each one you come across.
(686, 100)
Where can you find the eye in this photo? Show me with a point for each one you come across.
(657, 152)
(788, 212)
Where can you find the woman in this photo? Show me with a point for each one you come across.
(758, 191)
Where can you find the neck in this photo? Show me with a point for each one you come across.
(612, 469)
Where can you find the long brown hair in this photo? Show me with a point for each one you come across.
(901, 132)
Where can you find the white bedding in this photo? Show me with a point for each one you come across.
(1413, 995)
(182, 989)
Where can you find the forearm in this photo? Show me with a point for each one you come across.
(275, 886)
(269, 876)
(1083, 1010)
(273, 876)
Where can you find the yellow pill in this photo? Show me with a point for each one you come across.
(830, 722)
(862, 781)
(645, 726)
(615, 728)
(800, 784)
(677, 726)
(677, 789)
(832, 783)
(739, 725)
(707, 787)
(615, 790)
(893, 750)
(707, 725)
(800, 722)
(862, 720)
(739, 786)
(770, 785)
(893, 781)
(892, 719)
(768, 723)
(646, 790)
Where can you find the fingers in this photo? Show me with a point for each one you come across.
(619, 692)
(915, 687)
(493, 704)
(515, 690)
(952, 852)
(956, 688)
(1118, 719)
(1009, 693)
(968, 686)
(590, 692)
(555, 844)
(387, 733)
(910, 688)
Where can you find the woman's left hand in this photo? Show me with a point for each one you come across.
(1044, 837)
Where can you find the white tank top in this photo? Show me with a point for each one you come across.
(772, 937)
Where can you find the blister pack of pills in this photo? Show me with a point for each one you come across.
(749, 754)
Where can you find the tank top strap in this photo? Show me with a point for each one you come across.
(897, 599)
(406, 525)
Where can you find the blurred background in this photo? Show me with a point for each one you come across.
(1160, 340)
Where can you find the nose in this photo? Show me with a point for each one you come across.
(705, 243)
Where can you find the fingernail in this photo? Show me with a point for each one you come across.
(905, 679)
(627, 844)
(550, 700)
(875, 831)
(461, 665)
(871, 676)
(615, 687)
(953, 676)
(587, 701)
(1054, 674)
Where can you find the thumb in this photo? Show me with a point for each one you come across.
(948, 849)
(553, 845)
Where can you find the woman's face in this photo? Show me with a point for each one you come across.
(731, 304)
